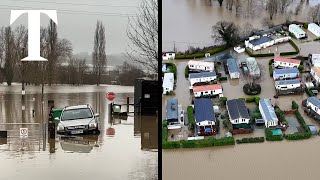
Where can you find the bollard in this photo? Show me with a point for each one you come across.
(128, 105)
(52, 130)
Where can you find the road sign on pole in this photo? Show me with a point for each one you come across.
(23, 132)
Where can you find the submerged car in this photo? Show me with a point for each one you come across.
(78, 120)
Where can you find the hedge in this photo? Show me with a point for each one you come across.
(298, 136)
(255, 99)
(270, 137)
(190, 117)
(300, 68)
(317, 39)
(292, 52)
(198, 143)
(186, 71)
(301, 121)
(250, 140)
(305, 25)
(223, 78)
(202, 54)
(258, 55)
(223, 100)
(294, 105)
(271, 68)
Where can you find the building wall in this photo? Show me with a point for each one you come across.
(282, 76)
(204, 79)
(285, 64)
(239, 120)
(169, 56)
(201, 67)
(211, 92)
(288, 86)
(235, 75)
(271, 123)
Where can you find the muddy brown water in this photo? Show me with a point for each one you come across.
(127, 154)
(189, 23)
(264, 158)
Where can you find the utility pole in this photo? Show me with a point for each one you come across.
(174, 46)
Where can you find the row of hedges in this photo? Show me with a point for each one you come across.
(317, 39)
(223, 78)
(298, 136)
(223, 101)
(255, 99)
(250, 140)
(186, 72)
(248, 51)
(301, 121)
(202, 54)
(199, 143)
(292, 52)
(190, 117)
(294, 105)
(270, 137)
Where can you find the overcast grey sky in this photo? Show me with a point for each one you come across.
(77, 20)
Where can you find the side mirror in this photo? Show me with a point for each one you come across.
(56, 118)
(96, 115)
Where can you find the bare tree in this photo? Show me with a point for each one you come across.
(82, 68)
(143, 34)
(226, 32)
(220, 2)
(283, 5)
(272, 7)
(229, 4)
(8, 56)
(299, 7)
(128, 73)
(314, 13)
(99, 56)
(238, 7)
(246, 30)
(266, 22)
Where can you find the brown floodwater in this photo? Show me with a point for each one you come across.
(189, 23)
(129, 153)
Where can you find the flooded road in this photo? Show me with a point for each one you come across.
(125, 154)
(189, 23)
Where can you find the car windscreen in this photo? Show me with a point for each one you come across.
(73, 114)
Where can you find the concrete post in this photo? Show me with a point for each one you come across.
(128, 101)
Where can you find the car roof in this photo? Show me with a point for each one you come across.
(77, 107)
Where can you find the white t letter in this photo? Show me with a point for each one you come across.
(34, 30)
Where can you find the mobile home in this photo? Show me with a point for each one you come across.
(168, 83)
(200, 66)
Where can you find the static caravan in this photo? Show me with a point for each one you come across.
(233, 68)
(268, 114)
(202, 77)
(200, 66)
(297, 31)
(286, 62)
(168, 55)
(315, 60)
(314, 28)
(288, 73)
(315, 73)
(207, 90)
(288, 84)
(238, 112)
(205, 119)
(253, 67)
(314, 104)
(175, 117)
(168, 83)
(259, 43)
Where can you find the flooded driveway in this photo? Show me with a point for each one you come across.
(125, 153)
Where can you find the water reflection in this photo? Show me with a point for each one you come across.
(88, 154)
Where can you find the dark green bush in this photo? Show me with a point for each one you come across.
(190, 117)
(250, 140)
(188, 144)
(294, 105)
(271, 68)
(301, 121)
(309, 92)
(186, 71)
(250, 99)
(254, 89)
(224, 141)
(317, 39)
(223, 78)
(172, 68)
(223, 100)
(300, 68)
(305, 25)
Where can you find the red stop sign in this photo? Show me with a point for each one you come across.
(110, 96)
